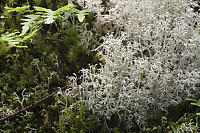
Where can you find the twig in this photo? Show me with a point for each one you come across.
(31, 105)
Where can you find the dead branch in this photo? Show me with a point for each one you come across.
(31, 105)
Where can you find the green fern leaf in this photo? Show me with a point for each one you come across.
(12, 39)
(48, 14)
(191, 99)
(41, 9)
(51, 15)
(17, 9)
(64, 8)
(196, 104)
(31, 19)
(81, 14)
(33, 31)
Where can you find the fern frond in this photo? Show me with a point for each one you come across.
(33, 31)
(81, 14)
(11, 39)
(17, 9)
(31, 19)
(49, 14)
(64, 8)
(50, 17)
(41, 9)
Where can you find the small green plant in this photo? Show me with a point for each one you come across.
(81, 14)
(51, 15)
(195, 102)
(9, 40)
(17, 9)
(77, 121)
(32, 22)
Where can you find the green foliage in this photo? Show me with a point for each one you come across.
(32, 21)
(194, 102)
(81, 14)
(51, 15)
(32, 32)
(9, 40)
(79, 121)
(27, 75)
(17, 9)
(29, 21)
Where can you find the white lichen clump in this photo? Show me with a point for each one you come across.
(154, 63)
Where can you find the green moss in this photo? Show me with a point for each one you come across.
(52, 54)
